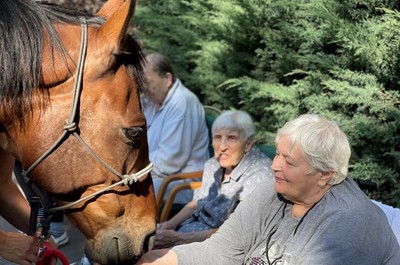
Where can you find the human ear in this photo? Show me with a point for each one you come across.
(169, 80)
(249, 144)
(325, 178)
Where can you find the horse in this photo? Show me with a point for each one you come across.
(70, 113)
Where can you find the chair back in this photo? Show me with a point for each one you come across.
(211, 115)
(269, 150)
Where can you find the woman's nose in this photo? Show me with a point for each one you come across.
(223, 145)
(276, 164)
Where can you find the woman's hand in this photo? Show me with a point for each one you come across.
(167, 239)
(18, 248)
(166, 226)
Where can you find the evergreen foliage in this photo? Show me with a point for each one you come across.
(279, 59)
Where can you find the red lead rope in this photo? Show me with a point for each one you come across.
(48, 253)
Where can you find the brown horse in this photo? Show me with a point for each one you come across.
(70, 112)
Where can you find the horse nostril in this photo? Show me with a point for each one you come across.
(116, 240)
(123, 251)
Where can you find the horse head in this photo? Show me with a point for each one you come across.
(91, 91)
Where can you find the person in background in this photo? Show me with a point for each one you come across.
(393, 216)
(236, 170)
(176, 125)
(311, 213)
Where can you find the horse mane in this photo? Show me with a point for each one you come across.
(23, 24)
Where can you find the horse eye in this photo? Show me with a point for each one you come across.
(134, 133)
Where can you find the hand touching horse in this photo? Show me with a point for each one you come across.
(70, 112)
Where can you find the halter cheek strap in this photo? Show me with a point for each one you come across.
(70, 128)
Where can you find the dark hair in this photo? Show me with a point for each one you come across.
(23, 23)
(159, 64)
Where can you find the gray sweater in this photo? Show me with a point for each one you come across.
(344, 227)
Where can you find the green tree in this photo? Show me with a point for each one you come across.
(279, 59)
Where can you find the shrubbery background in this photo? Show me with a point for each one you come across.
(279, 59)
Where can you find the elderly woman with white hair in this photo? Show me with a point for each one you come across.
(237, 168)
(312, 213)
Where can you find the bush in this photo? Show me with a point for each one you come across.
(279, 59)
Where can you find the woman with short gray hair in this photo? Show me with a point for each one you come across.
(324, 144)
(237, 168)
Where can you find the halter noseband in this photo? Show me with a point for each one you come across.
(70, 127)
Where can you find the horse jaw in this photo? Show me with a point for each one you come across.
(122, 241)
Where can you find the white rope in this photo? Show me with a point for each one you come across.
(126, 180)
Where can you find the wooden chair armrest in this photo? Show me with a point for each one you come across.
(168, 180)
(170, 200)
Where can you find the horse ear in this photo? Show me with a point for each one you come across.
(109, 8)
(118, 14)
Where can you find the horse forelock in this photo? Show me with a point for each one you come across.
(25, 24)
(20, 55)
(133, 58)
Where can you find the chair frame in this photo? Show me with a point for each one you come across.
(164, 209)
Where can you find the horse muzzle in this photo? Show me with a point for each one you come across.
(118, 248)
